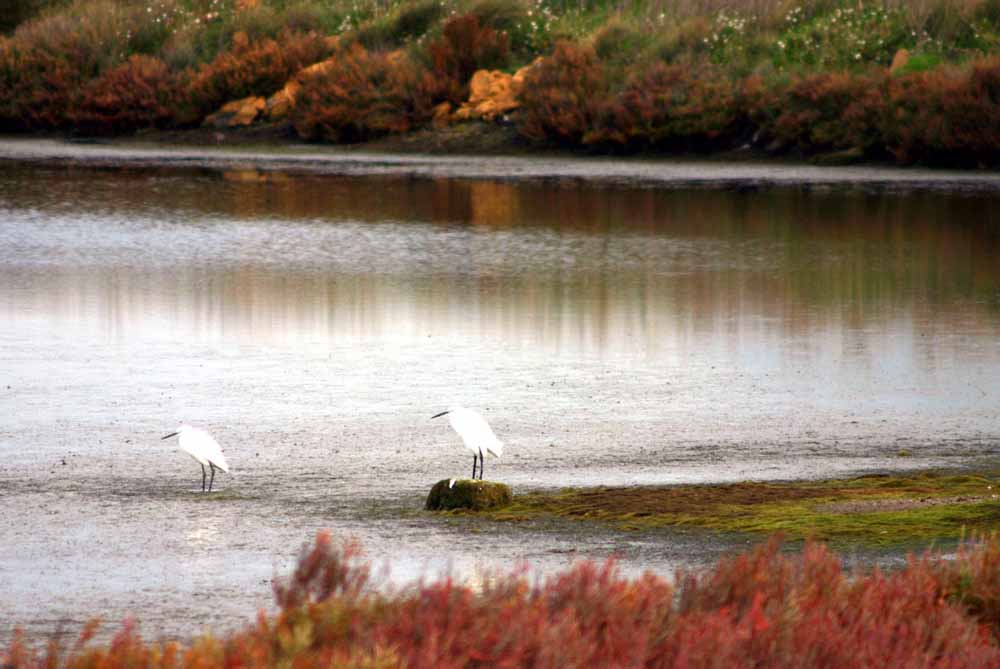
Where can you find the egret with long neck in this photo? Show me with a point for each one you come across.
(476, 434)
(203, 448)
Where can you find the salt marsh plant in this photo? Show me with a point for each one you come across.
(767, 607)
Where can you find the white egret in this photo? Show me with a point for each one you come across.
(476, 434)
(203, 448)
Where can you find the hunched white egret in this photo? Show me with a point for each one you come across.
(476, 434)
(203, 448)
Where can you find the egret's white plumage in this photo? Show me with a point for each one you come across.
(476, 434)
(201, 446)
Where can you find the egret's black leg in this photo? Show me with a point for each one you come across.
(202, 478)
(213, 477)
(473, 466)
(482, 463)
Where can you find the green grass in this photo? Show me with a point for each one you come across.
(763, 35)
(871, 510)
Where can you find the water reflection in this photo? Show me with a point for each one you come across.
(269, 258)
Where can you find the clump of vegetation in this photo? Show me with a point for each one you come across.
(808, 78)
(465, 46)
(938, 114)
(672, 107)
(140, 93)
(762, 608)
(563, 96)
(253, 68)
(823, 112)
(364, 95)
(45, 65)
(874, 510)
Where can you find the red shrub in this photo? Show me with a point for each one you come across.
(761, 609)
(364, 95)
(670, 106)
(563, 96)
(44, 66)
(253, 68)
(139, 93)
(945, 115)
(323, 571)
(823, 112)
(767, 609)
(972, 580)
(464, 47)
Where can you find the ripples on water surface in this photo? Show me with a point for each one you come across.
(314, 323)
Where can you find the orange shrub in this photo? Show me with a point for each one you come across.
(823, 112)
(563, 96)
(672, 106)
(464, 47)
(364, 95)
(140, 93)
(945, 115)
(253, 68)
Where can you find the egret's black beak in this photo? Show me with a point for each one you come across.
(438, 415)
(172, 434)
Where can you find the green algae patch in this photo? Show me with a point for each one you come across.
(874, 510)
(450, 494)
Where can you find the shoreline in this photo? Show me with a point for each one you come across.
(432, 154)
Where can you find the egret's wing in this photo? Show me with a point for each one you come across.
(475, 431)
(211, 450)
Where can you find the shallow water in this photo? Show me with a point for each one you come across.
(624, 331)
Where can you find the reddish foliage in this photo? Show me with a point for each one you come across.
(364, 95)
(823, 112)
(253, 68)
(42, 69)
(323, 571)
(563, 96)
(945, 115)
(973, 580)
(139, 93)
(671, 106)
(764, 608)
(464, 47)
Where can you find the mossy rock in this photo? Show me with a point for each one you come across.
(468, 494)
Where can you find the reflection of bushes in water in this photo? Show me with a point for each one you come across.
(766, 607)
